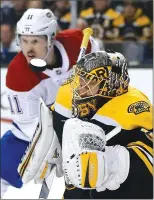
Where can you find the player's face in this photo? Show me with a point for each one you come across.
(33, 46)
(129, 11)
(87, 87)
(100, 4)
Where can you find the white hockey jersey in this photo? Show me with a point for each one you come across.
(25, 87)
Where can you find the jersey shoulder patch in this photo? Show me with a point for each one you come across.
(131, 110)
(71, 40)
(20, 76)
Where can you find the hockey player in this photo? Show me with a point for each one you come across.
(37, 37)
(107, 143)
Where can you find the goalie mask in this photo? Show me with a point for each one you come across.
(98, 77)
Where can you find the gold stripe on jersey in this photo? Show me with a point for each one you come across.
(87, 13)
(111, 14)
(108, 14)
(145, 149)
(148, 134)
(66, 17)
(72, 188)
(142, 21)
(117, 109)
(148, 148)
(119, 22)
(143, 158)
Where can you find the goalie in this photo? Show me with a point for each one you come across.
(107, 145)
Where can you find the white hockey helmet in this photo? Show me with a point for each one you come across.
(37, 22)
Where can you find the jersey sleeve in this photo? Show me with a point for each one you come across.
(71, 40)
(141, 165)
(139, 183)
(24, 113)
(142, 152)
(24, 88)
(139, 143)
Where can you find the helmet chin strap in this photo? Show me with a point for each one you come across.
(50, 46)
(49, 49)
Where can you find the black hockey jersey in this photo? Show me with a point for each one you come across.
(131, 111)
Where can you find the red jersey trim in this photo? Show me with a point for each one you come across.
(20, 76)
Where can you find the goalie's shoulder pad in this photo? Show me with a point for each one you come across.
(63, 105)
(135, 110)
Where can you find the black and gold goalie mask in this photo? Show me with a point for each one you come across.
(98, 76)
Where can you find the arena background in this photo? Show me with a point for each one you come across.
(136, 43)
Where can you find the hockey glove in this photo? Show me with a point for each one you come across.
(87, 162)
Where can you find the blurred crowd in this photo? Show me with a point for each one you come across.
(111, 20)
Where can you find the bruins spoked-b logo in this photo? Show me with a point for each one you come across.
(139, 107)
